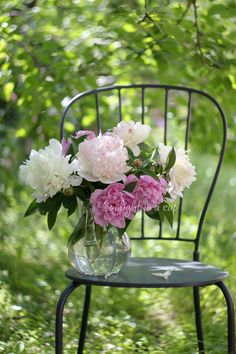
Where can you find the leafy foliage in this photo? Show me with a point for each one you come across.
(50, 51)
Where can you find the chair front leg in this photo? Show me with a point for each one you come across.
(231, 319)
(84, 319)
(198, 319)
(59, 317)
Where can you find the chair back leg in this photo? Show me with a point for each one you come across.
(84, 319)
(59, 317)
(198, 319)
(231, 318)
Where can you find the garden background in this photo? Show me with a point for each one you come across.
(51, 50)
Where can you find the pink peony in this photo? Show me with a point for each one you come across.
(112, 205)
(148, 192)
(66, 142)
(102, 159)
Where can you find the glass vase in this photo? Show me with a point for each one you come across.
(94, 250)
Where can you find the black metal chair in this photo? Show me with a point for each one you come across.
(137, 273)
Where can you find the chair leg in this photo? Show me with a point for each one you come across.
(59, 317)
(231, 319)
(84, 320)
(198, 319)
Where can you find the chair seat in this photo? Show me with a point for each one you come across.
(138, 273)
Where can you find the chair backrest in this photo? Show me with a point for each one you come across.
(155, 96)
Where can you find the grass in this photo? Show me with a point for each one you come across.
(128, 321)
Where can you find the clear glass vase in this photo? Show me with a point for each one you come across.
(94, 250)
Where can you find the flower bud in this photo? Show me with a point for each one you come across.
(68, 191)
(138, 163)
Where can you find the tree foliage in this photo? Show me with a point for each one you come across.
(51, 50)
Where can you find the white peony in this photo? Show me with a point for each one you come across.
(132, 134)
(182, 174)
(102, 159)
(47, 171)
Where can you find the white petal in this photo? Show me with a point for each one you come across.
(47, 171)
(114, 179)
(135, 150)
(75, 180)
(89, 177)
(56, 145)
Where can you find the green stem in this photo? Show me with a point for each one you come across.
(90, 241)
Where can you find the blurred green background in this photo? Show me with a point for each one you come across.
(52, 50)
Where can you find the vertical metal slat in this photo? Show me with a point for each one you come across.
(120, 105)
(165, 142)
(143, 106)
(185, 146)
(165, 116)
(98, 113)
(160, 229)
(142, 117)
(188, 119)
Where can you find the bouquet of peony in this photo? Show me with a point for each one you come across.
(116, 174)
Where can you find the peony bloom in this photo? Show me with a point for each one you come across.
(47, 171)
(102, 159)
(149, 192)
(132, 134)
(112, 205)
(66, 143)
(182, 174)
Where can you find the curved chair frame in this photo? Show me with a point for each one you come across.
(217, 280)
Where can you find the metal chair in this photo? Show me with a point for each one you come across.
(137, 272)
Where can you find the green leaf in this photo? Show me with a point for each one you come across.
(50, 203)
(161, 212)
(167, 195)
(70, 203)
(160, 169)
(146, 152)
(168, 212)
(91, 186)
(154, 214)
(122, 231)
(130, 153)
(42, 208)
(171, 159)
(33, 207)
(76, 141)
(52, 215)
(224, 10)
(146, 164)
(149, 173)
(81, 194)
(130, 187)
(155, 155)
(145, 147)
(79, 231)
